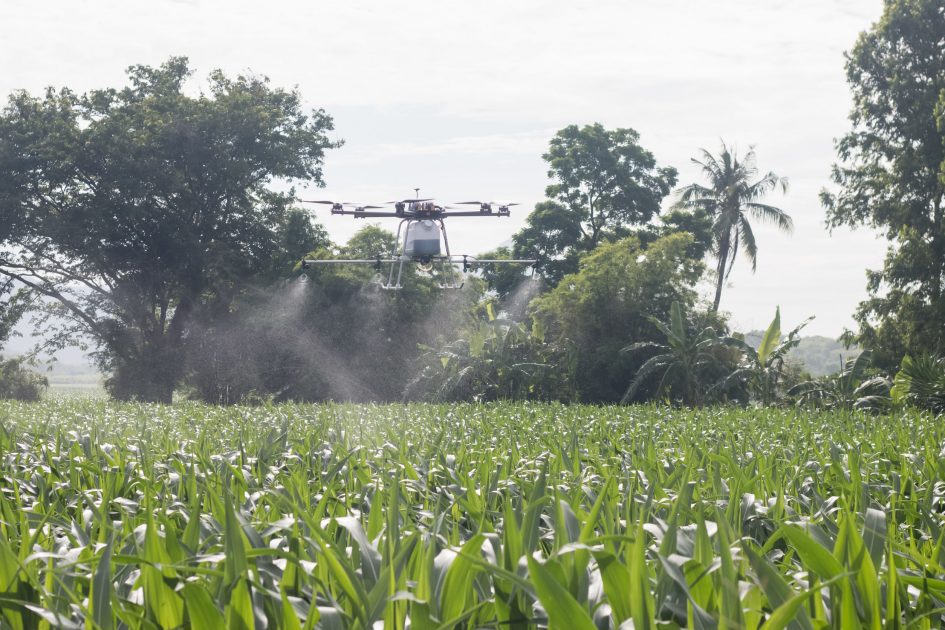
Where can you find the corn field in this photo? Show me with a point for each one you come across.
(468, 516)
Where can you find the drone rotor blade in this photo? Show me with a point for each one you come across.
(469, 203)
(409, 200)
(330, 203)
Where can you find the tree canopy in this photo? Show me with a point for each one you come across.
(131, 210)
(891, 176)
(603, 182)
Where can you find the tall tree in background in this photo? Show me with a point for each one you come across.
(891, 176)
(732, 198)
(136, 209)
(604, 182)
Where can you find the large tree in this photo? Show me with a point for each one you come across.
(732, 199)
(135, 209)
(891, 176)
(603, 183)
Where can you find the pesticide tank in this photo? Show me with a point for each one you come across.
(422, 240)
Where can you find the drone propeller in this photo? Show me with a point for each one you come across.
(409, 200)
(501, 204)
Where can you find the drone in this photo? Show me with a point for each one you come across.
(421, 238)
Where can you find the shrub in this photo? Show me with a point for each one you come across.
(17, 382)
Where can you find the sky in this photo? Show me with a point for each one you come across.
(460, 99)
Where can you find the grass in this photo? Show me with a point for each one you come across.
(506, 516)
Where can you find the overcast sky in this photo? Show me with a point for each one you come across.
(460, 99)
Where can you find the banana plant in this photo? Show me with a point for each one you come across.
(763, 367)
(495, 359)
(850, 388)
(681, 361)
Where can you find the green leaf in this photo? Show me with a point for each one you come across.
(201, 612)
(457, 585)
(564, 612)
(239, 610)
(775, 587)
(102, 590)
(814, 556)
(771, 338)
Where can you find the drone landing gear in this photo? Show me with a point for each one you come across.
(441, 266)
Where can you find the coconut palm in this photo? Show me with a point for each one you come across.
(731, 199)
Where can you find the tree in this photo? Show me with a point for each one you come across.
(731, 199)
(608, 303)
(891, 177)
(682, 360)
(603, 181)
(137, 209)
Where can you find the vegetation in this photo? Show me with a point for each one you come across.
(890, 177)
(763, 368)
(603, 183)
(132, 212)
(682, 360)
(850, 388)
(19, 382)
(609, 304)
(522, 515)
(921, 382)
(730, 200)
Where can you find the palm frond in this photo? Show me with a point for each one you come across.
(770, 214)
(751, 247)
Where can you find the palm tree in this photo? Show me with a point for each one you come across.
(731, 199)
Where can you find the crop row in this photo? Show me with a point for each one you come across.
(507, 516)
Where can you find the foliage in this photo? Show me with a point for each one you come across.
(498, 359)
(763, 368)
(135, 210)
(609, 303)
(603, 181)
(521, 516)
(731, 199)
(18, 382)
(891, 177)
(328, 333)
(682, 360)
(921, 382)
(850, 388)
(13, 304)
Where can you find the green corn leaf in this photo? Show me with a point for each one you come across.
(564, 612)
(201, 612)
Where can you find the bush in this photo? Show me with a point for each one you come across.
(20, 383)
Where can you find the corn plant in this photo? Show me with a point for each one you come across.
(468, 516)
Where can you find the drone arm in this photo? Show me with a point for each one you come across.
(473, 213)
(346, 261)
(520, 261)
(365, 213)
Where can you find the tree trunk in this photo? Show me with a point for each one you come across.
(720, 275)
